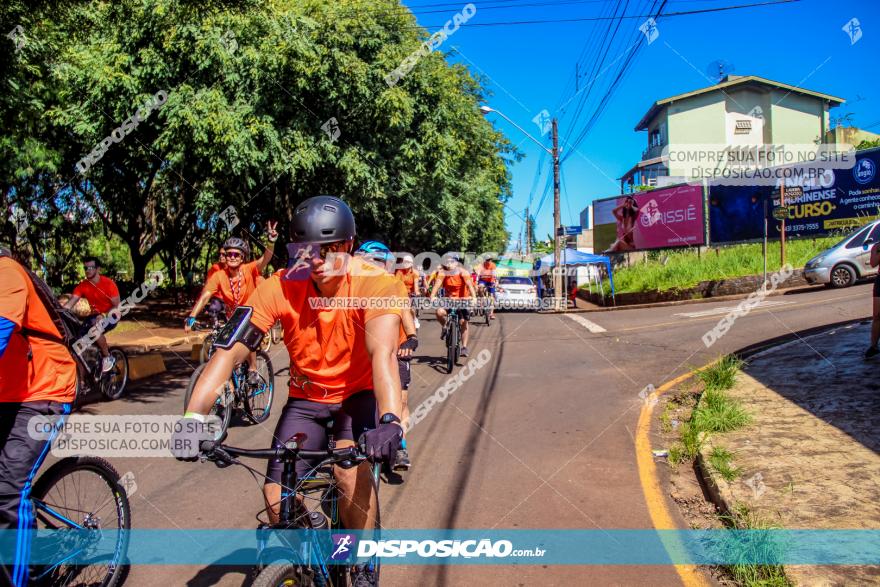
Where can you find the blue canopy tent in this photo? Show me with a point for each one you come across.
(575, 258)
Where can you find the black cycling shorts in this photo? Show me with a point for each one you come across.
(877, 287)
(354, 416)
(91, 321)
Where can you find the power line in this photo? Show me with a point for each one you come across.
(603, 102)
(599, 18)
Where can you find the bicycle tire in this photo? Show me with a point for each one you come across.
(451, 344)
(53, 477)
(278, 575)
(254, 414)
(266, 343)
(487, 311)
(207, 350)
(114, 389)
(222, 409)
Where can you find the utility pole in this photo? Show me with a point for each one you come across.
(557, 278)
(528, 232)
(782, 226)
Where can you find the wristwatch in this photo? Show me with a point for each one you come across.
(389, 418)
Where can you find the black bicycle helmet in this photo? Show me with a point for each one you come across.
(237, 243)
(322, 219)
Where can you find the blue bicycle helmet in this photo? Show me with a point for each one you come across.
(374, 250)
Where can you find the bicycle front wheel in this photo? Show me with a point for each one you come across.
(113, 382)
(222, 407)
(82, 495)
(258, 400)
(282, 575)
(452, 344)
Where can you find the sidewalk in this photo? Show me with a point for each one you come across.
(811, 457)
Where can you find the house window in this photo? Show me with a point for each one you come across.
(654, 139)
(743, 127)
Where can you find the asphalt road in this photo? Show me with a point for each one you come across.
(540, 437)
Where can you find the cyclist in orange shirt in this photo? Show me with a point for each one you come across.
(343, 362)
(411, 278)
(457, 283)
(37, 379)
(237, 280)
(486, 278)
(103, 296)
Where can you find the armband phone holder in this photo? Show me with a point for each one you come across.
(239, 329)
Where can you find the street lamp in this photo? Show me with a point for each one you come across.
(554, 152)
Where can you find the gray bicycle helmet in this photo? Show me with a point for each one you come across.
(322, 219)
(237, 243)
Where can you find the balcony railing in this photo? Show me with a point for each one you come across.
(652, 152)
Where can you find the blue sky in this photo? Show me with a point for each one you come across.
(529, 68)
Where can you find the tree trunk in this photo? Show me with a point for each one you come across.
(139, 262)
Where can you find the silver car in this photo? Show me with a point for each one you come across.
(847, 261)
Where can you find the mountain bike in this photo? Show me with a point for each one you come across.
(110, 384)
(81, 500)
(255, 401)
(452, 331)
(308, 562)
(216, 323)
(483, 309)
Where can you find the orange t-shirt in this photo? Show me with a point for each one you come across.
(212, 270)
(221, 286)
(327, 346)
(409, 278)
(456, 284)
(98, 295)
(487, 274)
(50, 375)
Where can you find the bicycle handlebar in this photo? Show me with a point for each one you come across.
(222, 452)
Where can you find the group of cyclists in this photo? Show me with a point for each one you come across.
(350, 366)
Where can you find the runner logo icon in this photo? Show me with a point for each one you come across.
(343, 546)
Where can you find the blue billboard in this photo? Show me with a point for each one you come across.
(833, 200)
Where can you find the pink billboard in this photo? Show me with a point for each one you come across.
(670, 217)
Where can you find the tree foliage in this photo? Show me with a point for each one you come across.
(250, 89)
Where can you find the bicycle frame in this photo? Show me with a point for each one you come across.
(293, 514)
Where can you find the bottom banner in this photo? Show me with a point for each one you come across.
(433, 547)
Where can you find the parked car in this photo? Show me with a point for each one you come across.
(847, 261)
(516, 293)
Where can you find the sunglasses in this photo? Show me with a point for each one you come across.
(325, 250)
(87, 267)
(233, 255)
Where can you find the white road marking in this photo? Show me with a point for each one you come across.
(726, 309)
(591, 326)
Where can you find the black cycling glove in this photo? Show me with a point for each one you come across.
(410, 344)
(382, 443)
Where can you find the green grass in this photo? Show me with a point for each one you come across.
(721, 374)
(716, 411)
(681, 269)
(720, 458)
(760, 575)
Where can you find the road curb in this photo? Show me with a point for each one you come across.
(142, 366)
(727, 298)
